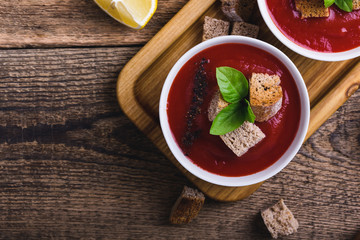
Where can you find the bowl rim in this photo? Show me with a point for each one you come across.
(322, 56)
(256, 177)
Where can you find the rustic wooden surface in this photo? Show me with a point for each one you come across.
(72, 166)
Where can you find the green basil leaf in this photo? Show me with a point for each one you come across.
(328, 3)
(346, 5)
(228, 119)
(232, 83)
(249, 116)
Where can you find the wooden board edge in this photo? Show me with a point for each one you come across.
(334, 99)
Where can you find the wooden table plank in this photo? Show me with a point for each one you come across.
(73, 166)
(53, 86)
(50, 23)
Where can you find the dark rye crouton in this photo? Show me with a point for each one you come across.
(265, 95)
(238, 10)
(279, 220)
(187, 206)
(214, 27)
(312, 8)
(245, 29)
(356, 4)
(241, 139)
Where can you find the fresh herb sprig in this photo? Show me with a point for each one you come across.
(346, 5)
(234, 87)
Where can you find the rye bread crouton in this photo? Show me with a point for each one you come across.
(214, 27)
(245, 29)
(216, 105)
(237, 10)
(265, 95)
(311, 8)
(241, 139)
(279, 220)
(187, 206)
(356, 4)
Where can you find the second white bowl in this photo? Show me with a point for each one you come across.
(323, 56)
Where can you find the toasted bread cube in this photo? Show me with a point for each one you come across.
(279, 220)
(312, 8)
(356, 4)
(237, 10)
(187, 206)
(216, 105)
(214, 27)
(265, 95)
(245, 29)
(241, 139)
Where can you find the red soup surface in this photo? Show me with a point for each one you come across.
(337, 33)
(210, 152)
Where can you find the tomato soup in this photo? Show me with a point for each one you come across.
(209, 152)
(337, 33)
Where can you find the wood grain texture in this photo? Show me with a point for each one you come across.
(73, 166)
(88, 173)
(51, 83)
(49, 23)
(140, 83)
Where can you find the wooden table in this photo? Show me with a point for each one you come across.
(73, 166)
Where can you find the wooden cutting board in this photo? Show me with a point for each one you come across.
(139, 84)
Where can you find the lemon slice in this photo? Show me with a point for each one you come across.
(133, 13)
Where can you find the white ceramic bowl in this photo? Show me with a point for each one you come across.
(331, 57)
(253, 178)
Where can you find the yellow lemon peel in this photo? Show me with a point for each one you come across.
(133, 13)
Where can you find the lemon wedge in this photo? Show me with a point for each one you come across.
(133, 13)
